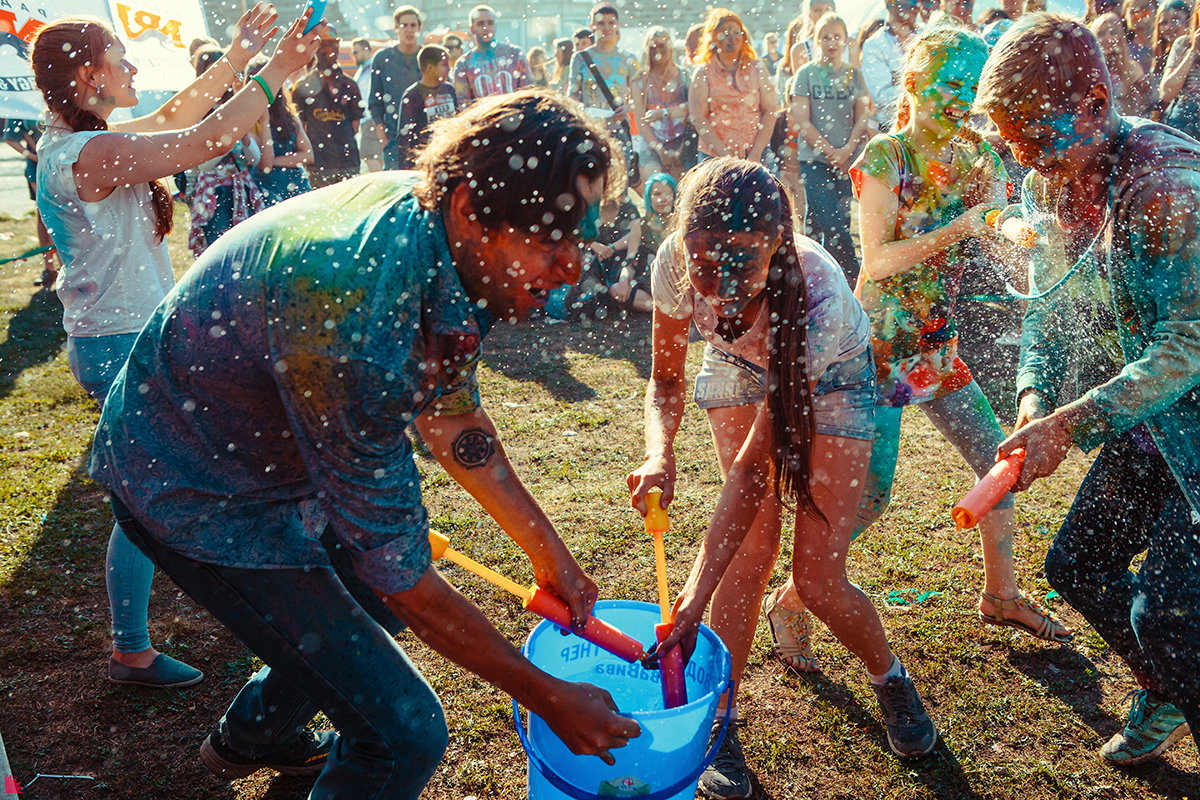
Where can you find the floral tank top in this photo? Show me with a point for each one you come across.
(912, 312)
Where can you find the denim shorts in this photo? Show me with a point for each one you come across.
(843, 402)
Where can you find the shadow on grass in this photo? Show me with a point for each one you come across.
(535, 351)
(940, 771)
(1074, 679)
(61, 716)
(35, 335)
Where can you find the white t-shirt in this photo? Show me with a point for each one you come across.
(838, 329)
(115, 271)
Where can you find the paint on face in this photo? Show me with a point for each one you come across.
(729, 270)
(949, 92)
(1042, 138)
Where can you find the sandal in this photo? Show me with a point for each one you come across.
(1046, 630)
(790, 634)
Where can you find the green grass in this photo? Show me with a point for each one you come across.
(1020, 720)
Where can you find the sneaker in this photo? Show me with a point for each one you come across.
(164, 672)
(790, 635)
(1152, 727)
(727, 777)
(305, 755)
(910, 731)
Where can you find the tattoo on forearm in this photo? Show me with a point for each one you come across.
(474, 448)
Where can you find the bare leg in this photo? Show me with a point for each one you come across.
(734, 614)
(839, 468)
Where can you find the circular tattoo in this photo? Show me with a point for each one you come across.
(473, 448)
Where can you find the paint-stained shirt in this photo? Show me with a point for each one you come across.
(616, 68)
(498, 69)
(279, 375)
(837, 330)
(1150, 250)
(912, 312)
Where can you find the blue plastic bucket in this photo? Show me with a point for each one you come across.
(665, 762)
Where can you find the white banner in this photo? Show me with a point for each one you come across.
(155, 33)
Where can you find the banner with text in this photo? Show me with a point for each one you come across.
(155, 33)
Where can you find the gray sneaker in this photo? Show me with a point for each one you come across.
(727, 777)
(910, 731)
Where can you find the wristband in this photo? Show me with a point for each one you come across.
(266, 89)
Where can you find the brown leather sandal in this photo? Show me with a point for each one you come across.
(1045, 631)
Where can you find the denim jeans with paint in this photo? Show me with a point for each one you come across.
(95, 362)
(967, 421)
(328, 644)
(1130, 503)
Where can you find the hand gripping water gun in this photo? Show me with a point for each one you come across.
(991, 487)
(1015, 229)
(671, 664)
(543, 603)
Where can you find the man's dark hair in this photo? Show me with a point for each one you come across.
(361, 42)
(521, 155)
(584, 33)
(431, 54)
(603, 8)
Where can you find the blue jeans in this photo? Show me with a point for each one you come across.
(391, 153)
(1130, 503)
(829, 193)
(327, 642)
(95, 362)
(967, 421)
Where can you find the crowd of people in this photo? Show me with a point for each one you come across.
(257, 420)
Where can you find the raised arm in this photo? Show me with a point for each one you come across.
(1179, 64)
(122, 159)
(187, 107)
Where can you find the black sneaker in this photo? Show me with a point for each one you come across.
(727, 777)
(305, 755)
(910, 731)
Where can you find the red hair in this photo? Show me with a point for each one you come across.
(59, 51)
(707, 47)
